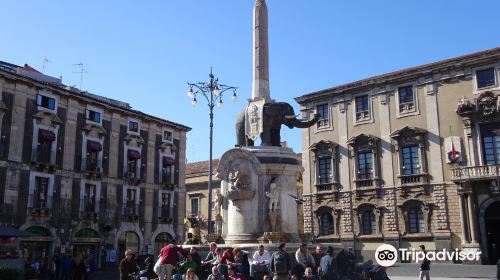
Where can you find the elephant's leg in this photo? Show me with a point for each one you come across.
(265, 137)
(250, 142)
(275, 137)
(240, 129)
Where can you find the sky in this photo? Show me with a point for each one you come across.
(145, 52)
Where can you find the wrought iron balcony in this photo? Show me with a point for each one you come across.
(39, 155)
(92, 165)
(484, 172)
(40, 207)
(365, 183)
(414, 179)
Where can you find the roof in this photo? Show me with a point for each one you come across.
(28, 72)
(200, 168)
(408, 72)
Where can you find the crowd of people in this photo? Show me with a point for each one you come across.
(177, 263)
(79, 267)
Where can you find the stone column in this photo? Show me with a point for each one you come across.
(472, 218)
(114, 143)
(18, 124)
(343, 156)
(435, 155)
(70, 134)
(386, 148)
(463, 219)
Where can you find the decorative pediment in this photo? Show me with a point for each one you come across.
(130, 138)
(363, 139)
(47, 118)
(324, 148)
(409, 135)
(168, 148)
(94, 130)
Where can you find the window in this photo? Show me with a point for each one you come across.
(365, 165)
(41, 192)
(491, 149)
(194, 207)
(362, 108)
(133, 168)
(93, 116)
(46, 102)
(89, 199)
(325, 170)
(406, 99)
(130, 202)
(368, 222)
(323, 116)
(485, 77)
(167, 136)
(416, 220)
(411, 164)
(165, 205)
(326, 224)
(133, 126)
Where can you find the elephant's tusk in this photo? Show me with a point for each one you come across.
(290, 117)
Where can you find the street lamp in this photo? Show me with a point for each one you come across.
(213, 92)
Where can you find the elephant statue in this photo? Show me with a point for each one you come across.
(274, 115)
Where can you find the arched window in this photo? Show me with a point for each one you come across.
(368, 222)
(416, 222)
(326, 226)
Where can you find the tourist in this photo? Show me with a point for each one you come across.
(260, 262)
(190, 275)
(55, 268)
(168, 256)
(308, 274)
(234, 275)
(184, 266)
(304, 259)
(280, 263)
(241, 261)
(219, 253)
(351, 260)
(227, 257)
(89, 266)
(342, 264)
(425, 267)
(197, 259)
(66, 267)
(318, 254)
(358, 273)
(128, 266)
(328, 266)
(210, 260)
(266, 277)
(216, 275)
(367, 266)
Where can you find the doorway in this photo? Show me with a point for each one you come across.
(492, 220)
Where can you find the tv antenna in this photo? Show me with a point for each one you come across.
(81, 72)
(45, 61)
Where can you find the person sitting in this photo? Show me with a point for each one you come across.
(190, 275)
(197, 259)
(308, 274)
(209, 260)
(260, 263)
(233, 275)
(218, 253)
(241, 261)
(184, 266)
(304, 259)
(216, 275)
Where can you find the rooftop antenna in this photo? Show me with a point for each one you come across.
(45, 61)
(81, 72)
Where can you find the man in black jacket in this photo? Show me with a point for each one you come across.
(280, 263)
(425, 267)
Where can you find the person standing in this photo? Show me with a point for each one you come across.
(328, 266)
(280, 263)
(318, 254)
(308, 274)
(425, 267)
(78, 268)
(128, 266)
(168, 256)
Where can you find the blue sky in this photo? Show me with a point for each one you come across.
(145, 52)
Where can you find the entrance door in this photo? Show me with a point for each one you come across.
(128, 240)
(492, 220)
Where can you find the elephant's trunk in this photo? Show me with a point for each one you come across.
(292, 121)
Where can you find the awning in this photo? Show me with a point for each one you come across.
(168, 161)
(12, 232)
(133, 154)
(45, 135)
(94, 146)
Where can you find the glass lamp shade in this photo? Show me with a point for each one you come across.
(220, 104)
(190, 93)
(234, 98)
(216, 91)
(194, 102)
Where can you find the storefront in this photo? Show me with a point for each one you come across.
(37, 248)
(86, 243)
(161, 240)
(128, 240)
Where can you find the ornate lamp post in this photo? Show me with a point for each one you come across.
(212, 91)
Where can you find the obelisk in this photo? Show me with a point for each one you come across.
(260, 85)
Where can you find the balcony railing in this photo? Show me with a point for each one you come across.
(362, 116)
(406, 107)
(89, 206)
(328, 187)
(39, 203)
(366, 183)
(38, 155)
(414, 179)
(484, 172)
(167, 179)
(131, 213)
(323, 123)
(133, 174)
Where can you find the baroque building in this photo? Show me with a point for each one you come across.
(407, 158)
(86, 173)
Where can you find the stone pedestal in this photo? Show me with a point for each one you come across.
(246, 176)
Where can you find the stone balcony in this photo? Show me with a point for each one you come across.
(470, 173)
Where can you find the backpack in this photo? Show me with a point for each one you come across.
(280, 263)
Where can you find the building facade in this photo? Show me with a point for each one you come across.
(88, 174)
(407, 158)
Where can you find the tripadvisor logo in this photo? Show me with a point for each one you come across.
(387, 255)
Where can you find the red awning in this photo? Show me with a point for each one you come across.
(94, 146)
(168, 161)
(133, 154)
(45, 135)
